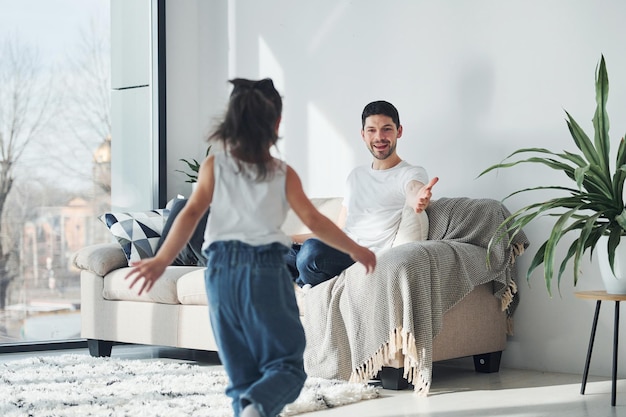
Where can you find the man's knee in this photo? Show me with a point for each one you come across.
(311, 250)
(312, 247)
(315, 263)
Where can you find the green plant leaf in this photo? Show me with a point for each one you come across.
(601, 118)
(595, 207)
(582, 141)
(194, 167)
(579, 175)
(555, 236)
(621, 219)
(620, 173)
(614, 239)
(580, 245)
(536, 261)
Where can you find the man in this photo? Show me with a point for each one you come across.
(372, 206)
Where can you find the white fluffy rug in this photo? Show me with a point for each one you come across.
(79, 385)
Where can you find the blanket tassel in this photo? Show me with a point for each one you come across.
(403, 343)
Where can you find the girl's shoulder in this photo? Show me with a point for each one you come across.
(280, 164)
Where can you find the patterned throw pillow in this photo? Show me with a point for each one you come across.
(191, 254)
(138, 233)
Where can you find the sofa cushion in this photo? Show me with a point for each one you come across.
(116, 286)
(100, 258)
(413, 227)
(190, 288)
(138, 232)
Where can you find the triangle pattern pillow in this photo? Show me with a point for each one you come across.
(138, 233)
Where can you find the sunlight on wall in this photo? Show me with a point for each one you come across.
(329, 157)
(332, 21)
(270, 67)
(232, 39)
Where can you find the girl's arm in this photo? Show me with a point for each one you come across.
(341, 222)
(322, 226)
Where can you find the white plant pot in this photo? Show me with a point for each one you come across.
(614, 283)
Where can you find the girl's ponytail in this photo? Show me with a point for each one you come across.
(249, 128)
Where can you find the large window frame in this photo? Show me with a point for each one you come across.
(159, 154)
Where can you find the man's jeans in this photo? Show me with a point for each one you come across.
(256, 324)
(314, 262)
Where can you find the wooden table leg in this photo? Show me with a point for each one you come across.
(590, 349)
(615, 340)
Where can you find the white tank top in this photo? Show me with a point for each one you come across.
(244, 208)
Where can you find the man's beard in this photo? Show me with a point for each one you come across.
(382, 155)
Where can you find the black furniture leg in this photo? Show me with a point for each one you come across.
(590, 348)
(615, 338)
(487, 362)
(393, 378)
(99, 348)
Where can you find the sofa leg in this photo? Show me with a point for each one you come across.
(99, 348)
(392, 378)
(487, 362)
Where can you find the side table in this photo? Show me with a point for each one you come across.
(600, 296)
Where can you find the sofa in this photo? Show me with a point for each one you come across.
(447, 244)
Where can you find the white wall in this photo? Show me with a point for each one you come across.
(197, 74)
(473, 81)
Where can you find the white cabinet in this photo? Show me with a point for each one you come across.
(134, 113)
(130, 43)
(132, 149)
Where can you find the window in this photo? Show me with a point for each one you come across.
(55, 160)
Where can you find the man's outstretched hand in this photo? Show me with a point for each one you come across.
(424, 195)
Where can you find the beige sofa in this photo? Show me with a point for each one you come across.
(174, 313)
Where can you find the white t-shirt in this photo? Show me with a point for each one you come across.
(245, 209)
(374, 202)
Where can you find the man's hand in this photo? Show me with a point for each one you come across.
(424, 195)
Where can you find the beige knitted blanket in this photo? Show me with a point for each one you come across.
(355, 322)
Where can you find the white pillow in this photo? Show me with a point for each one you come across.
(413, 227)
(328, 206)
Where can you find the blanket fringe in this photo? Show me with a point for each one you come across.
(402, 342)
(509, 326)
(518, 249)
(506, 300)
(507, 297)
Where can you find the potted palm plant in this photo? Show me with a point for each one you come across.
(593, 206)
(194, 167)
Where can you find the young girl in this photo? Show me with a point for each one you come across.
(251, 297)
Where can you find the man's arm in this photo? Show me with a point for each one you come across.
(418, 195)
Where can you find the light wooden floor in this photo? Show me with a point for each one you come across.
(457, 391)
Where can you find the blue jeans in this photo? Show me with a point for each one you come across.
(314, 262)
(256, 324)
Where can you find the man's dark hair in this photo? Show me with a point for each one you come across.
(380, 107)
